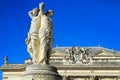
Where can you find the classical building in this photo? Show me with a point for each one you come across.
(74, 63)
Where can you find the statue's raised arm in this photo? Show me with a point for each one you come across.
(30, 14)
(41, 7)
(33, 40)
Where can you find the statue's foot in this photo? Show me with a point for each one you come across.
(33, 62)
(45, 63)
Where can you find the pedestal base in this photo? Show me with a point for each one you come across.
(41, 72)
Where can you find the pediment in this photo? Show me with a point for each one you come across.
(103, 53)
(58, 54)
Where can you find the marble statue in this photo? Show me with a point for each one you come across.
(45, 35)
(40, 35)
(33, 39)
(39, 45)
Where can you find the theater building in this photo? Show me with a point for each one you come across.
(74, 63)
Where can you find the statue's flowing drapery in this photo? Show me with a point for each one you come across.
(40, 36)
(46, 39)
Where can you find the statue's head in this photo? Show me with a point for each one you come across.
(35, 11)
(50, 13)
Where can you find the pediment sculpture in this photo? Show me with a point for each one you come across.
(78, 54)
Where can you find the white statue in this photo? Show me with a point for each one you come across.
(40, 35)
(45, 35)
(33, 39)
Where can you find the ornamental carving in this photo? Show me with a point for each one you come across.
(78, 55)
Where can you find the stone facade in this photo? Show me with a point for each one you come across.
(75, 63)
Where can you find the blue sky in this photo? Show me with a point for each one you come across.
(76, 23)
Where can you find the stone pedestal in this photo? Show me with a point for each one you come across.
(41, 72)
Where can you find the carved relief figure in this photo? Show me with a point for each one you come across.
(71, 55)
(85, 58)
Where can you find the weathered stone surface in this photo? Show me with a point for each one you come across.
(41, 72)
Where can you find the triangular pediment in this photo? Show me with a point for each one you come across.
(58, 54)
(103, 53)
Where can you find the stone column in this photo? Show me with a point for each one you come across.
(65, 78)
(91, 78)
